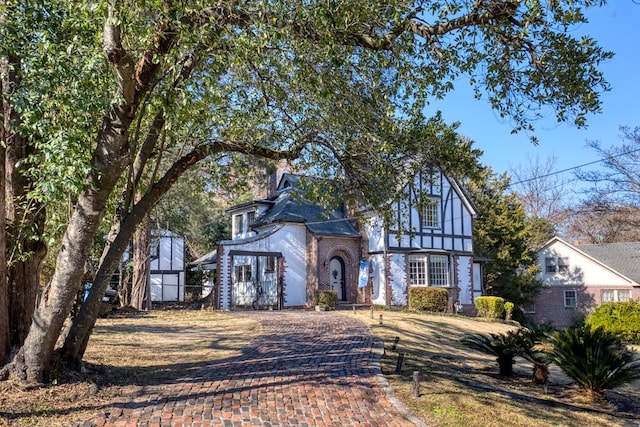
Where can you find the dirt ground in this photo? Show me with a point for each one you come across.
(130, 351)
(463, 388)
(127, 352)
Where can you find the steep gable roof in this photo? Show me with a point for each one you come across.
(622, 258)
(290, 206)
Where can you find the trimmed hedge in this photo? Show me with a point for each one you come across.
(619, 318)
(428, 299)
(508, 310)
(490, 307)
(327, 298)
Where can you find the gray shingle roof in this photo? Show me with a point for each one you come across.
(290, 206)
(622, 257)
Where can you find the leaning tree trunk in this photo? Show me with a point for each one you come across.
(109, 160)
(57, 299)
(141, 284)
(122, 231)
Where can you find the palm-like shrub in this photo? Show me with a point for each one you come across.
(534, 347)
(504, 346)
(596, 360)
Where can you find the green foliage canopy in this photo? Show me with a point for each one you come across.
(502, 235)
(619, 318)
(338, 74)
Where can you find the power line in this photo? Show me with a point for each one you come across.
(572, 168)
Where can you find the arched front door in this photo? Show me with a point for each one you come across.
(337, 276)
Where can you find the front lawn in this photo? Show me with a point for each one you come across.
(461, 387)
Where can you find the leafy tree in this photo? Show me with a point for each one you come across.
(619, 318)
(116, 100)
(502, 235)
(594, 358)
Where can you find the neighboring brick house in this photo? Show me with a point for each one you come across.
(578, 278)
(284, 248)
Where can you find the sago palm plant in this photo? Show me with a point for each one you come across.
(503, 346)
(596, 360)
(533, 346)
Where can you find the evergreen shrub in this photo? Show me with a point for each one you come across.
(490, 307)
(619, 318)
(428, 299)
(327, 298)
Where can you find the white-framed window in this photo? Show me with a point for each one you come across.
(237, 226)
(418, 270)
(251, 219)
(529, 308)
(438, 270)
(550, 265)
(243, 273)
(429, 270)
(570, 298)
(431, 213)
(615, 295)
(563, 264)
(556, 264)
(270, 264)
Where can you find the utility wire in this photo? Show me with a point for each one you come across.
(572, 168)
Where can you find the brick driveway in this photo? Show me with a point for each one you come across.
(305, 369)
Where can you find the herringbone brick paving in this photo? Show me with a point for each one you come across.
(305, 369)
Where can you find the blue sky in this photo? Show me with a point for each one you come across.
(615, 27)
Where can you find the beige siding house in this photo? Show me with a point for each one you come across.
(578, 278)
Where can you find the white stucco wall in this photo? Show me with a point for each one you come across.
(375, 234)
(171, 254)
(398, 279)
(378, 279)
(465, 280)
(290, 241)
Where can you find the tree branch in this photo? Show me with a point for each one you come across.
(496, 10)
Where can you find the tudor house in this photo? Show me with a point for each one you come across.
(578, 278)
(284, 248)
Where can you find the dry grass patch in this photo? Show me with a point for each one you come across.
(127, 352)
(461, 387)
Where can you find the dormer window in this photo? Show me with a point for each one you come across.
(251, 219)
(431, 213)
(237, 227)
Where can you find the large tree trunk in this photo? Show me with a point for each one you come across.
(25, 226)
(4, 290)
(108, 164)
(141, 285)
(121, 233)
(22, 221)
